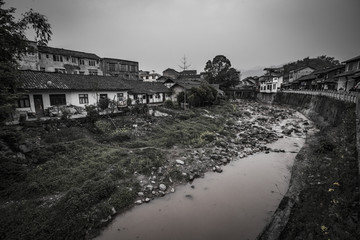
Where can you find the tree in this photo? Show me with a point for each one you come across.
(13, 44)
(219, 71)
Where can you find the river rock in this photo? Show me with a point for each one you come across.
(149, 187)
(138, 202)
(172, 190)
(178, 161)
(140, 194)
(162, 187)
(147, 200)
(25, 148)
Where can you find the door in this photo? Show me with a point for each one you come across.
(39, 107)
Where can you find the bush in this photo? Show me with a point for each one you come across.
(104, 126)
(104, 103)
(121, 134)
(92, 113)
(168, 104)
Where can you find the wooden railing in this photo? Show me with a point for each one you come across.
(339, 95)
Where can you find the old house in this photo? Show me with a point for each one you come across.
(326, 78)
(171, 73)
(271, 81)
(148, 76)
(120, 68)
(147, 92)
(68, 61)
(42, 90)
(299, 72)
(350, 77)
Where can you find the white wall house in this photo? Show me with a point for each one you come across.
(42, 90)
(271, 81)
(148, 92)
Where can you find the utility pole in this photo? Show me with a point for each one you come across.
(184, 64)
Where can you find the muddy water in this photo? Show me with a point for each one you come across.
(235, 204)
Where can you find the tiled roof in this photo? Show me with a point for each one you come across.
(307, 77)
(329, 69)
(34, 80)
(347, 73)
(65, 52)
(352, 59)
(118, 60)
(140, 87)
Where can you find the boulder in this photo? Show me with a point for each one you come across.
(162, 187)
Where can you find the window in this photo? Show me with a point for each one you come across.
(57, 99)
(111, 67)
(47, 55)
(42, 69)
(81, 72)
(144, 96)
(73, 60)
(81, 62)
(83, 98)
(91, 62)
(93, 72)
(274, 86)
(150, 96)
(57, 58)
(157, 95)
(120, 96)
(124, 68)
(39, 55)
(23, 101)
(102, 96)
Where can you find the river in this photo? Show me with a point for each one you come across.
(236, 204)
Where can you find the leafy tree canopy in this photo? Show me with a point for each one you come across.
(13, 43)
(219, 71)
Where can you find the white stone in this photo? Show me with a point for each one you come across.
(178, 161)
(162, 187)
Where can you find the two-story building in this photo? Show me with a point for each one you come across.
(120, 68)
(50, 59)
(68, 61)
(299, 72)
(271, 81)
(351, 76)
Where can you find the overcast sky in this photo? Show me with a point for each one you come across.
(158, 33)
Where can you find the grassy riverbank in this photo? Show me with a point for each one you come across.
(66, 179)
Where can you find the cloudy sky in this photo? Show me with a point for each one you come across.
(158, 33)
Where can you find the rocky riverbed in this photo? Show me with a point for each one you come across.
(258, 126)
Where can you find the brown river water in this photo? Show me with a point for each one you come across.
(236, 204)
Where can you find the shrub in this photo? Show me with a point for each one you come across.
(168, 104)
(92, 113)
(104, 126)
(104, 103)
(121, 134)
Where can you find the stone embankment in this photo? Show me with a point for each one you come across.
(323, 198)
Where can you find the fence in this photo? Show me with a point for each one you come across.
(342, 96)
